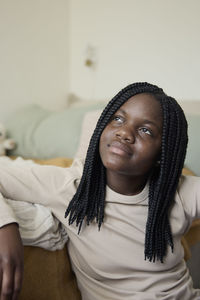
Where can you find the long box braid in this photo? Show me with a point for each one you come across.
(88, 202)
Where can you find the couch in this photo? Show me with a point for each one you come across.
(44, 135)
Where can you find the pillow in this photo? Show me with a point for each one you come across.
(40, 133)
(21, 126)
(192, 160)
(88, 126)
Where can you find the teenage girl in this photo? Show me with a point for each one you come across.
(125, 208)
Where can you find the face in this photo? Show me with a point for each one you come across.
(131, 142)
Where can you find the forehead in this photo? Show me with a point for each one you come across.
(143, 105)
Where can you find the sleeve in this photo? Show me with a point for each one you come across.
(27, 181)
(189, 192)
(7, 213)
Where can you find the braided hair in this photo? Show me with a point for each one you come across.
(88, 202)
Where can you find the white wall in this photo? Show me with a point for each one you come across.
(33, 53)
(135, 40)
(43, 47)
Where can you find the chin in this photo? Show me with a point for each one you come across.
(116, 165)
(123, 167)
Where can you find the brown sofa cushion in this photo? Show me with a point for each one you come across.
(48, 276)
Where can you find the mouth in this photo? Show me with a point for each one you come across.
(119, 148)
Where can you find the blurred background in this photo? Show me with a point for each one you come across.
(51, 49)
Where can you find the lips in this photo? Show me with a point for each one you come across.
(120, 148)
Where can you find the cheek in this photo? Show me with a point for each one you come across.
(105, 136)
(102, 144)
(149, 155)
(105, 139)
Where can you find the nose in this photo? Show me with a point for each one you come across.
(126, 134)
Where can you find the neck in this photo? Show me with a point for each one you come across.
(125, 185)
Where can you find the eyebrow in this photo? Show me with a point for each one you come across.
(143, 120)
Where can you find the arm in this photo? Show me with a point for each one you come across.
(11, 262)
(6, 212)
(27, 181)
(11, 254)
(50, 186)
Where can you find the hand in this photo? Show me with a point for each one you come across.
(11, 262)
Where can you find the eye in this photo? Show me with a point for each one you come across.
(118, 119)
(146, 130)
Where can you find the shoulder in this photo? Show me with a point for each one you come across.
(189, 184)
(62, 176)
(30, 172)
(77, 167)
(189, 193)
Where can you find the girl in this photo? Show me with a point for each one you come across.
(127, 205)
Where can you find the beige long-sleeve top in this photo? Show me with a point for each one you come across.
(109, 264)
